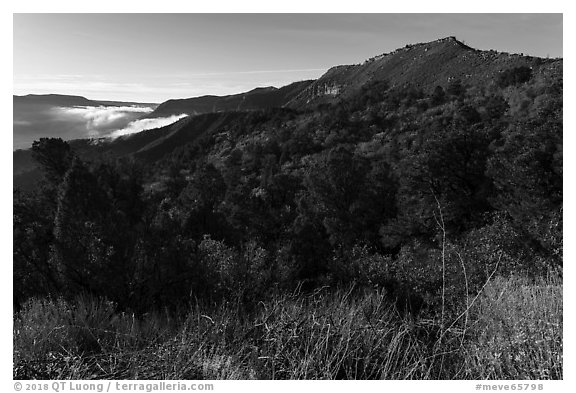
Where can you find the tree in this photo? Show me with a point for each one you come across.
(455, 88)
(514, 76)
(199, 201)
(32, 239)
(469, 114)
(438, 97)
(334, 184)
(495, 107)
(449, 168)
(526, 169)
(83, 254)
(54, 156)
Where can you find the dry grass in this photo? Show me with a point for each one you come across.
(517, 330)
(512, 331)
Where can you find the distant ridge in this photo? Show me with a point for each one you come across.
(422, 65)
(53, 99)
(259, 98)
(69, 100)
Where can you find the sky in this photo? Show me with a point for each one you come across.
(155, 57)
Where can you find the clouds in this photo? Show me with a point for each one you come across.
(115, 121)
(99, 116)
(33, 120)
(146, 124)
(101, 120)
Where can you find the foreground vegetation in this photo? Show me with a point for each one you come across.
(512, 330)
(348, 240)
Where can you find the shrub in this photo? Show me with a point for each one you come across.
(234, 274)
(57, 339)
(425, 278)
(514, 76)
(370, 268)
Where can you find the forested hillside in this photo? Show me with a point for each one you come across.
(423, 192)
(259, 98)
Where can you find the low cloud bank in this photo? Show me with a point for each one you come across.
(100, 118)
(146, 124)
(32, 122)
